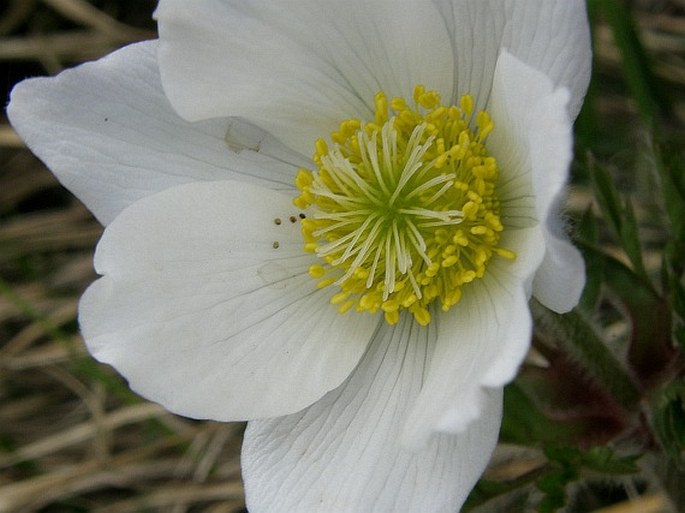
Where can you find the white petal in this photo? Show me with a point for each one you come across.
(201, 313)
(481, 343)
(109, 134)
(560, 280)
(298, 70)
(533, 142)
(344, 455)
(552, 36)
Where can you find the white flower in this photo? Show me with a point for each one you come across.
(209, 303)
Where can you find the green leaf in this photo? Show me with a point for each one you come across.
(603, 460)
(567, 464)
(620, 217)
(671, 166)
(579, 339)
(636, 66)
(669, 419)
(486, 490)
(680, 336)
(555, 496)
(630, 239)
(676, 293)
(524, 424)
(650, 351)
(553, 484)
(670, 162)
(588, 232)
(607, 197)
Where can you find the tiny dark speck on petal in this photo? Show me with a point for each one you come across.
(277, 220)
(276, 244)
(293, 219)
(302, 216)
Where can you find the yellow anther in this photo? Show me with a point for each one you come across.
(462, 186)
(409, 300)
(466, 104)
(367, 301)
(480, 230)
(468, 276)
(460, 238)
(381, 104)
(441, 161)
(390, 305)
(308, 225)
(303, 178)
(505, 253)
(398, 104)
(429, 100)
(438, 115)
(321, 149)
(457, 152)
(351, 126)
(475, 197)
(431, 290)
(422, 316)
(470, 210)
(419, 90)
(450, 261)
(346, 306)
(361, 273)
(481, 257)
(493, 221)
(451, 299)
(393, 317)
(339, 298)
(346, 129)
(301, 203)
(441, 235)
(317, 271)
(432, 269)
(325, 283)
(485, 124)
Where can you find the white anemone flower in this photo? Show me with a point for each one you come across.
(363, 308)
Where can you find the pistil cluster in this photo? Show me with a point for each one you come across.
(403, 209)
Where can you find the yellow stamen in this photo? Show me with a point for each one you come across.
(404, 208)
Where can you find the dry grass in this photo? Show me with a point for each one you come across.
(72, 437)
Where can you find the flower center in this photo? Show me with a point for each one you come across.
(404, 208)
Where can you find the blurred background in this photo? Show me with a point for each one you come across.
(73, 438)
